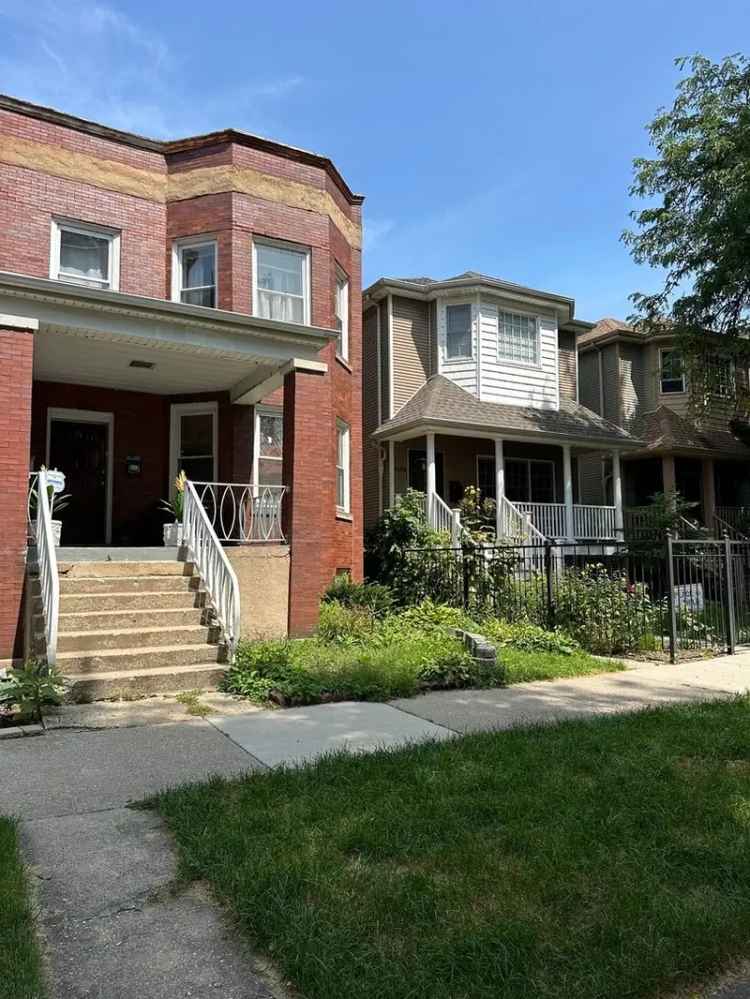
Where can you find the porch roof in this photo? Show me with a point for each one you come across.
(90, 336)
(665, 430)
(440, 404)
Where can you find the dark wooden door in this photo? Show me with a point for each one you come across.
(80, 451)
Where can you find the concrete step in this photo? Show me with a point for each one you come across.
(137, 659)
(106, 570)
(122, 684)
(135, 584)
(127, 638)
(131, 601)
(114, 620)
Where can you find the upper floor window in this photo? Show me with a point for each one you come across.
(194, 272)
(269, 446)
(281, 286)
(457, 331)
(85, 254)
(342, 466)
(518, 338)
(342, 314)
(672, 378)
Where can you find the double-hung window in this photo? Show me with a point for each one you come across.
(518, 338)
(281, 286)
(672, 378)
(342, 466)
(269, 446)
(342, 314)
(85, 254)
(194, 272)
(457, 332)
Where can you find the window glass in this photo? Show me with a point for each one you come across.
(198, 274)
(458, 331)
(342, 316)
(486, 479)
(672, 375)
(270, 447)
(529, 481)
(196, 456)
(281, 283)
(84, 258)
(342, 466)
(518, 338)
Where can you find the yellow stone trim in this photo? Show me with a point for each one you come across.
(162, 187)
(246, 180)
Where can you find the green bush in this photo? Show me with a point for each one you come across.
(603, 610)
(400, 528)
(341, 624)
(374, 597)
(31, 688)
(528, 637)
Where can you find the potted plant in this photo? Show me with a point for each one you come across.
(57, 503)
(175, 506)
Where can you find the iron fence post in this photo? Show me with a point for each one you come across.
(465, 575)
(549, 592)
(671, 599)
(731, 613)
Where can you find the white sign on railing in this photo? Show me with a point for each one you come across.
(56, 479)
(689, 597)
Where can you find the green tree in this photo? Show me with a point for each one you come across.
(695, 226)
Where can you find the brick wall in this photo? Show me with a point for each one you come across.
(16, 360)
(109, 181)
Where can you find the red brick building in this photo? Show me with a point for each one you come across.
(164, 305)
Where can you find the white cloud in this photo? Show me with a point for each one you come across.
(96, 61)
(375, 231)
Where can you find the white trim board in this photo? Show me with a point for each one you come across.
(89, 416)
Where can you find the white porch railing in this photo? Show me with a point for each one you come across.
(214, 568)
(243, 512)
(49, 583)
(441, 515)
(594, 521)
(515, 524)
(548, 518)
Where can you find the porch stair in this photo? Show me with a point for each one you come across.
(130, 629)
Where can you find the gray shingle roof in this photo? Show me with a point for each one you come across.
(442, 402)
(665, 430)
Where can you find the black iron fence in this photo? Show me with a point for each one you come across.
(668, 597)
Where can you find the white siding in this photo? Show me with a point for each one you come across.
(462, 372)
(519, 384)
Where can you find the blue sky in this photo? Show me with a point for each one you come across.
(486, 136)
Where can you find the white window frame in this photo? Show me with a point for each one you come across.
(501, 358)
(262, 411)
(184, 243)
(60, 225)
(342, 344)
(343, 432)
(459, 357)
(662, 352)
(303, 251)
(177, 411)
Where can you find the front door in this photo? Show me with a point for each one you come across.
(79, 449)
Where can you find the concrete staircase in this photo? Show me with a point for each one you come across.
(133, 629)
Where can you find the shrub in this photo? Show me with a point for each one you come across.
(603, 610)
(31, 688)
(528, 637)
(340, 623)
(374, 597)
(400, 528)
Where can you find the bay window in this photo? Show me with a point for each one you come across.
(518, 338)
(85, 254)
(268, 447)
(194, 272)
(457, 332)
(342, 466)
(281, 282)
(342, 314)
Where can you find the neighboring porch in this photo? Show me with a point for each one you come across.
(537, 485)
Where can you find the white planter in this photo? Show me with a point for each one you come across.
(56, 532)
(173, 535)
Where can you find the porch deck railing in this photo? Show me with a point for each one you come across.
(216, 572)
(243, 513)
(517, 525)
(49, 583)
(591, 521)
(738, 517)
(548, 518)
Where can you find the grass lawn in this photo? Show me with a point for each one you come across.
(20, 964)
(524, 667)
(596, 860)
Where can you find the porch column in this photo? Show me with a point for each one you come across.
(568, 482)
(499, 486)
(16, 364)
(668, 475)
(309, 470)
(431, 478)
(709, 492)
(617, 494)
(391, 474)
